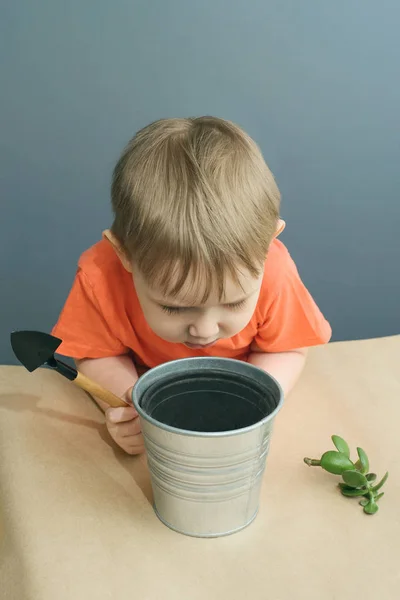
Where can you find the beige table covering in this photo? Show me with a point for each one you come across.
(76, 515)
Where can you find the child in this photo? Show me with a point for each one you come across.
(190, 267)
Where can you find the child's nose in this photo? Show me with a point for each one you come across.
(204, 328)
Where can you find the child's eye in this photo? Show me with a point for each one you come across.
(172, 310)
(175, 310)
(237, 305)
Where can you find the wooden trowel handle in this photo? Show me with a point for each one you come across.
(97, 390)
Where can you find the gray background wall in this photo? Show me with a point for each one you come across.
(315, 83)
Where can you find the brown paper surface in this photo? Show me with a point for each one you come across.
(76, 519)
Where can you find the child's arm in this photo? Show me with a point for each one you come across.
(117, 374)
(286, 367)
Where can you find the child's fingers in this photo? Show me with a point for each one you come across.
(120, 414)
(123, 425)
(128, 395)
(136, 448)
(127, 429)
(132, 444)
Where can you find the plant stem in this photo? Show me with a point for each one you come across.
(312, 462)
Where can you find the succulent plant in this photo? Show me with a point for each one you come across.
(357, 481)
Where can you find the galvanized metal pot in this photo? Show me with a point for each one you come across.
(207, 425)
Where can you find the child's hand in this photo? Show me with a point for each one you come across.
(124, 427)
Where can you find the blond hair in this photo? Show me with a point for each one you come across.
(194, 197)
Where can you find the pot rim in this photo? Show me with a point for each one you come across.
(204, 434)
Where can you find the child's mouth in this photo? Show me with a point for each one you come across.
(200, 346)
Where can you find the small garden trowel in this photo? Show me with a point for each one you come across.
(35, 349)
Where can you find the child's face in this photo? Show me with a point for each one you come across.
(185, 320)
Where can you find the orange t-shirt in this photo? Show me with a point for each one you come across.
(102, 315)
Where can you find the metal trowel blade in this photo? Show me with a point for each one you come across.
(33, 348)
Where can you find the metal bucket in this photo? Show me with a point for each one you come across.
(207, 425)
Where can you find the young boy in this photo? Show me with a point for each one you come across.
(190, 267)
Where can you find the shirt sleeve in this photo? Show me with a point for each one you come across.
(82, 325)
(292, 319)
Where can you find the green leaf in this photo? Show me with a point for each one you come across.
(364, 462)
(371, 508)
(354, 479)
(380, 484)
(371, 476)
(364, 501)
(336, 462)
(343, 486)
(351, 492)
(341, 445)
(379, 496)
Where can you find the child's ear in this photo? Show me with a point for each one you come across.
(280, 227)
(110, 237)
